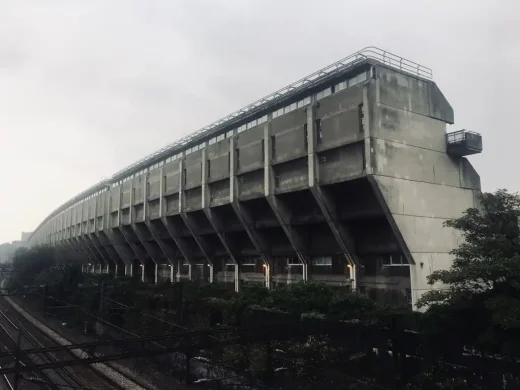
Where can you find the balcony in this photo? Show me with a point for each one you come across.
(463, 143)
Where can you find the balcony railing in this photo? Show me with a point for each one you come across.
(463, 143)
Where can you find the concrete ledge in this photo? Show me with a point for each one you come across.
(118, 374)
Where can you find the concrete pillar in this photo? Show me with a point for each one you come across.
(171, 274)
(353, 273)
(115, 272)
(211, 270)
(142, 272)
(190, 270)
(100, 268)
(267, 269)
(156, 273)
(128, 270)
(237, 278)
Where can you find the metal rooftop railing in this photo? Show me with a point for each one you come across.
(369, 53)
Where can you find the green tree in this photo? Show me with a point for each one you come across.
(480, 303)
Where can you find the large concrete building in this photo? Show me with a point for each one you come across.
(344, 177)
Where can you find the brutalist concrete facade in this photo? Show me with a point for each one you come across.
(343, 178)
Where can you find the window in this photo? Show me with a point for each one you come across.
(319, 134)
(229, 134)
(278, 113)
(304, 102)
(326, 92)
(394, 260)
(249, 262)
(290, 107)
(361, 116)
(340, 86)
(212, 141)
(209, 168)
(251, 124)
(237, 156)
(184, 176)
(305, 137)
(164, 183)
(133, 194)
(263, 152)
(262, 119)
(325, 261)
(220, 137)
(241, 129)
(293, 261)
(273, 146)
(229, 162)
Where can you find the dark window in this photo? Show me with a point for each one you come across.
(273, 146)
(133, 194)
(305, 137)
(393, 260)
(209, 168)
(237, 156)
(319, 134)
(361, 114)
(164, 183)
(229, 162)
(263, 158)
(147, 189)
(184, 176)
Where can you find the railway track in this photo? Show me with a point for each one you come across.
(15, 330)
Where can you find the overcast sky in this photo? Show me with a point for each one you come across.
(88, 87)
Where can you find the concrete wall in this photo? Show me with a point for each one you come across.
(420, 184)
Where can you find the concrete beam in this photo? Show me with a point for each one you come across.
(112, 253)
(168, 251)
(88, 252)
(97, 249)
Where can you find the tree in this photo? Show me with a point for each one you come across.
(481, 301)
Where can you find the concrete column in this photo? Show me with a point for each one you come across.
(115, 271)
(171, 274)
(237, 278)
(128, 270)
(267, 268)
(178, 275)
(142, 272)
(211, 270)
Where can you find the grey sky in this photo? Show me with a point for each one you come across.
(87, 87)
